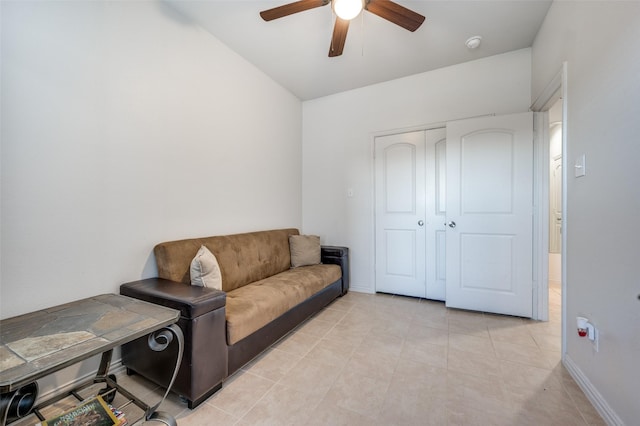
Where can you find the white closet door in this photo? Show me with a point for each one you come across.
(436, 168)
(489, 213)
(400, 213)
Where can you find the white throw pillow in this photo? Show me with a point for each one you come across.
(205, 271)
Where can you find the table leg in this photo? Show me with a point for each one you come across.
(105, 362)
(158, 342)
(102, 374)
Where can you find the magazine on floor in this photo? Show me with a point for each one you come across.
(92, 412)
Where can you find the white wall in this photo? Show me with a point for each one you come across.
(338, 139)
(124, 125)
(601, 43)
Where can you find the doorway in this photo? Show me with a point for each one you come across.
(550, 111)
(555, 211)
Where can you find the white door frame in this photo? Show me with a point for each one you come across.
(556, 89)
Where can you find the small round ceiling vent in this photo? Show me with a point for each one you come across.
(473, 42)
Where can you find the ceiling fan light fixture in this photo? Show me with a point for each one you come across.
(347, 9)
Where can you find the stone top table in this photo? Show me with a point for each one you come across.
(37, 344)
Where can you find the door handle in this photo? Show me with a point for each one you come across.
(451, 224)
(420, 222)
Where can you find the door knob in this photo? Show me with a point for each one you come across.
(451, 224)
(420, 222)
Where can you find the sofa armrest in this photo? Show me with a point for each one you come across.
(335, 255)
(191, 301)
(204, 363)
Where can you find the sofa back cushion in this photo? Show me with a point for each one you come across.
(243, 258)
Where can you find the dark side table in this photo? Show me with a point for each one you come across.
(37, 344)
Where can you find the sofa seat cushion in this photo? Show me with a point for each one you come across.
(252, 306)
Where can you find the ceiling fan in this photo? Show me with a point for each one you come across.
(346, 10)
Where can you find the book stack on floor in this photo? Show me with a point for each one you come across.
(93, 412)
(119, 415)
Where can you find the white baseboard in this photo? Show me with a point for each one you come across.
(361, 289)
(600, 404)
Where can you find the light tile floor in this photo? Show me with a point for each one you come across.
(392, 360)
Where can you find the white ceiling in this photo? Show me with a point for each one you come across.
(293, 50)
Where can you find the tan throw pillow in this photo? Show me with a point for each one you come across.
(305, 250)
(205, 271)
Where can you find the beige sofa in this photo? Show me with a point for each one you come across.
(262, 298)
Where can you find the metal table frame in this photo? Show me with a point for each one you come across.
(18, 386)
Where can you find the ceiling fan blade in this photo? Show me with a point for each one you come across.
(291, 8)
(339, 37)
(393, 12)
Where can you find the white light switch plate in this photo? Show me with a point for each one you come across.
(580, 166)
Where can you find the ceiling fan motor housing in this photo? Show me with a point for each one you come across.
(347, 9)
